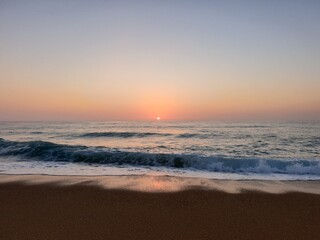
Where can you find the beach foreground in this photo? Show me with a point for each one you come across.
(87, 211)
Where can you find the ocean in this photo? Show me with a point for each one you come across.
(217, 150)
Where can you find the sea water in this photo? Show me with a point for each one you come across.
(218, 150)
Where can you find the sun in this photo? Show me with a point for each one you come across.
(158, 118)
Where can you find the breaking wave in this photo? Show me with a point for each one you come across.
(47, 151)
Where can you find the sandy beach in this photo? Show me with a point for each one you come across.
(83, 210)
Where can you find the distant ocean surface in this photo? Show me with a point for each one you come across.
(220, 150)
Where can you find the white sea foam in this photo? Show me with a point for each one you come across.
(214, 150)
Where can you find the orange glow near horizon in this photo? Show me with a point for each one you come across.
(73, 105)
(113, 61)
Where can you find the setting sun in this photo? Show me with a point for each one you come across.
(158, 118)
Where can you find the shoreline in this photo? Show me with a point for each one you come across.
(164, 183)
(85, 210)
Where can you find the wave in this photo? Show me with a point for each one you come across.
(122, 134)
(199, 135)
(47, 151)
(144, 134)
(188, 135)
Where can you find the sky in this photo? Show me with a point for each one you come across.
(179, 60)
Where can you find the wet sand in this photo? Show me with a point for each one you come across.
(86, 211)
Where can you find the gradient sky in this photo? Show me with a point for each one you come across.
(182, 60)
